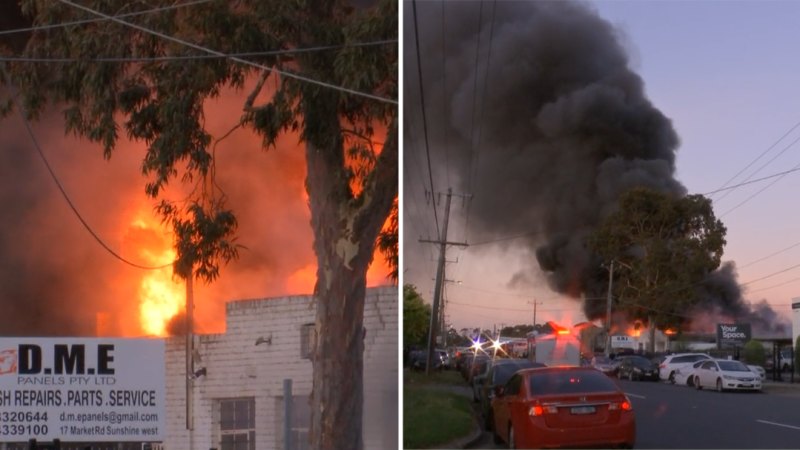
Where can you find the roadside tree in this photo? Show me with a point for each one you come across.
(149, 75)
(754, 353)
(661, 246)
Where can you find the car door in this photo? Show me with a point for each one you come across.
(705, 374)
(503, 405)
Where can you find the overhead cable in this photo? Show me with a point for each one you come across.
(82, 22)
(63, 191)
(232, 58)
(191, 57)
(424, 118)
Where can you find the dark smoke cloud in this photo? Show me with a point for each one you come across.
(563, 129)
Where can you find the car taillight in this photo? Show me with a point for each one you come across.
(624, 406)
(539, 410)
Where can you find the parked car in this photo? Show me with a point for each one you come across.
(668, 367)
(498, 374)
(562, 407)
(418, 360)
(606, 365)
(685, 375)
(759, 370)
(637, 368)
(724, 374)
(478, 367)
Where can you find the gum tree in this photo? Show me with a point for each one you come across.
(166, 64)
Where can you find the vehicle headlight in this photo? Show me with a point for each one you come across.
(636, 369)
(728, 377)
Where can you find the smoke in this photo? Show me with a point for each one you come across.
(562, 128)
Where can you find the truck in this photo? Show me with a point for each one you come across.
(562, 348)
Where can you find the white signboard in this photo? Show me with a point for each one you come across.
(622, 342)
(82, 389)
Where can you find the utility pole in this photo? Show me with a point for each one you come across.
(608, 309)
(437, 292)
(534, 303)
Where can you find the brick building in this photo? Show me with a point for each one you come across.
(237, 396)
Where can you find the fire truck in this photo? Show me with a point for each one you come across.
(562, 348)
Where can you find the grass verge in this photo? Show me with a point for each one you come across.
(434, 417)
(436, 377)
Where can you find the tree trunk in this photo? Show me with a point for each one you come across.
(651, 330)
(345, 231)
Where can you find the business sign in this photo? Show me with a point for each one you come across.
(82, 389)
(733, 334)
(620, 341)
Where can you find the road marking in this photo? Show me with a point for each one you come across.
(636, 396)
(778, 424)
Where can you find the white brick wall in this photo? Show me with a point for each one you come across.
(236, 367)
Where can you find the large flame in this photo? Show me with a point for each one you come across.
(161, 296)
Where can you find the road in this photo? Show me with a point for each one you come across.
(670, 416)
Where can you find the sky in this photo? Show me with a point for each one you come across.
(722, 74)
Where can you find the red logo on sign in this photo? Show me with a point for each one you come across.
(8, 361)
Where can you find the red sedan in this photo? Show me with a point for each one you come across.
(563, 407)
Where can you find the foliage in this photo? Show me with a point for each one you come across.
(388, 243)
(516, 331)
(754, 353)
(661, 246)
(161, 102)
(416, 317)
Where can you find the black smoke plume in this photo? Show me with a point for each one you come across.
(547, 143)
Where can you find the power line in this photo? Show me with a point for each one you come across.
(771, 275)
(424, 118)
(745, 183)
(121, 16)
(193, 57)
(760, 191)
(239, 60)
(759, 157)
(450, 302)
(74, 209)
(771, 255)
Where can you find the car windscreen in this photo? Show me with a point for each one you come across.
(733, 366)
(570, 382)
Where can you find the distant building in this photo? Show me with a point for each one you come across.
(795, 319)
(238, 393)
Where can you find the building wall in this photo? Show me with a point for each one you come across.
(237, 367)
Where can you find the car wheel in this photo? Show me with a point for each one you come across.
(511, 442)
(697, 383)
(690, 381)
(719, 385)
(488, 423)
(671, 378)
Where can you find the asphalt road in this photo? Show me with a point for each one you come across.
(676, 417)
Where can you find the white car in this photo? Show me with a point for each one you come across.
(684, 375)
(724, 374)
(759, 370)
(670, 365)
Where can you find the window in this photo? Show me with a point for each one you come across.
(307, 339)
(237, 424)
(513, 385)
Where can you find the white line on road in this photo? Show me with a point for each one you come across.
(636, 396)
(778, 424)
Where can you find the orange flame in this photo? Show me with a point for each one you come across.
(161, 296)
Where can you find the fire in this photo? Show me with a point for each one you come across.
(161, 296)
